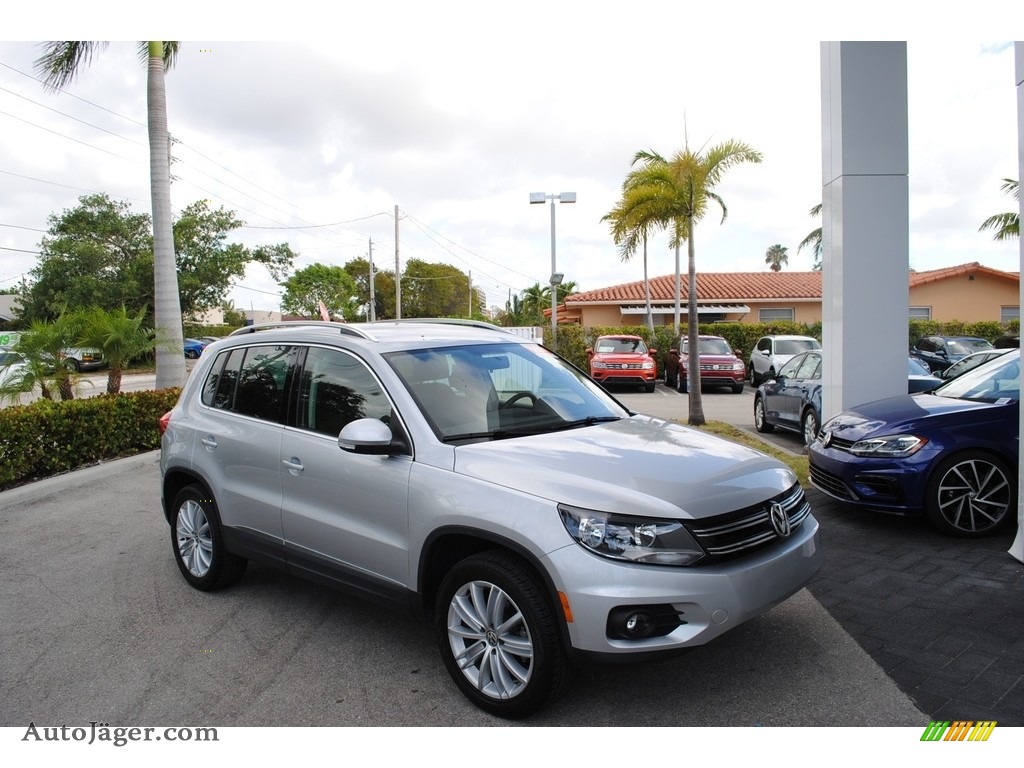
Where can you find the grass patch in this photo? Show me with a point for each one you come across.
(797, 463)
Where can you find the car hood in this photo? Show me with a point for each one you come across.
(637, 465)
(903, 413)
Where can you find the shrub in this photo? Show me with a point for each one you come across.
(48, 438)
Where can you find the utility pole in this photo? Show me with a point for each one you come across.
(398, 274)
(471, 294)
(373, 303)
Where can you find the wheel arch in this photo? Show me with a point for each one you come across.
(174, 480)
(447, 546)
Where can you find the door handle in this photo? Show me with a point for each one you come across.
(209, 442)
(293, 465)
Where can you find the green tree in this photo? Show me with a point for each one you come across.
(99, 254)
(58, 66)
(438, 290)
(383, 287)
(630, 229)
(1006, 226)
(534, 300)
(776, 256)
(332, 285)
(813, 241)
(43, 344)
(677, 192)
(120, 335)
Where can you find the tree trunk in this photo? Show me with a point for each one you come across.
(696, 417)
(170, 362)
(114, 380)
(647, 292)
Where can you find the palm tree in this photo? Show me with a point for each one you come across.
(677, 193)
(565, 288)
(776, 256)
(121, 336)
(535, 298)
(59, 65)
(813, 240)
(42, 346)
(1005, 225)
(626, 234)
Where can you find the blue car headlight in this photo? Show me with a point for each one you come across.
(889, 446)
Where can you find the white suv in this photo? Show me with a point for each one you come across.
(478, 478)
(772, 352)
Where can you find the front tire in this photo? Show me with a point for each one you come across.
(681, 383)
(198, 542)
(649, 387)
(670, 376)
(971, 494)
(499, 637)
(760, 418)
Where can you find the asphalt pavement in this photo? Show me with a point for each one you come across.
(99, 625)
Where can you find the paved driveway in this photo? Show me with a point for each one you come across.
(99, 625)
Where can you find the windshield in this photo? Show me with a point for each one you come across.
(995, 381)
(614, 345)
(917, 368)
(493, 391)
(708, 347)
(966, 346)
(795, 346)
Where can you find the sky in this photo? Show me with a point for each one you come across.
(455, 112)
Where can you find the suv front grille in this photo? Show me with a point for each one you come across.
(739, 532)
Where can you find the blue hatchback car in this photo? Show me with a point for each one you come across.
(950, 454)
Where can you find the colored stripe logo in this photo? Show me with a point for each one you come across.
(958, 730)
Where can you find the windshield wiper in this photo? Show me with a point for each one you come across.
(528, 429)
(587, 422)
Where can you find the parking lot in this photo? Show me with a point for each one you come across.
(900, 627)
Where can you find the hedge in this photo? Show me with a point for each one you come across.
(49, 437)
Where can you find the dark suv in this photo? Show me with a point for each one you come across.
(476, 477)
(940, 352)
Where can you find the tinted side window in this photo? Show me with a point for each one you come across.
(337, 388)
(765, 345)
(219, 387)
(261, 381)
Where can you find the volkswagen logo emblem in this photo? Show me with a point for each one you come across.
(780, 520)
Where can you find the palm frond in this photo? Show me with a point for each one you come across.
(61, 61)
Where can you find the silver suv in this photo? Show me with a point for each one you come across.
(480, 479)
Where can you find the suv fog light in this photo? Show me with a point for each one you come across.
(635, 622)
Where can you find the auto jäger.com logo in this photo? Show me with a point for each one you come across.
(958, 730)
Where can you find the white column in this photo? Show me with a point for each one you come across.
(865, 222)
(1017, 548)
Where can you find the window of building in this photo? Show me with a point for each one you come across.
(920, 313)
(1008, 313)
(770, 314)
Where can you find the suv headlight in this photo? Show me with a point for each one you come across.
(598, 364)
(652, 541)
(889, 446)
(648, 364)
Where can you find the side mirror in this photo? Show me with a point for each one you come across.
(652, 351)
(590, 352)
(366, 436)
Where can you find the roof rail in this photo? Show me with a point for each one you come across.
(446, 321)
(345, 329)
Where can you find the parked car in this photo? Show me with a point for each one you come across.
(793, 399)
(973, 360)
(623, 360)
(940, 352)
(1007, 342)
(770, 353)
(82, 359)
(478, 478)
(951, 454)
(720, 366)
(12, 366)
(919, 378)
(194, 348)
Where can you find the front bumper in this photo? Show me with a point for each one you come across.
(710, 600)
(897, 486)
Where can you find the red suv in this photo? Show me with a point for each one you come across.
(719, 364)
(623, 360)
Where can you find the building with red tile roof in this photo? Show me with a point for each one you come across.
(968, 292)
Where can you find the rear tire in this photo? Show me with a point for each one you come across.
(810, 426)
(499, 637)
(198, 542)
(681, 384)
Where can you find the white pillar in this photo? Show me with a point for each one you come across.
(865, 222)
(1017, 548)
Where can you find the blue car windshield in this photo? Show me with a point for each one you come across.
(997, 380)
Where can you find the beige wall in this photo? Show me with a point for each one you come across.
(965, 299)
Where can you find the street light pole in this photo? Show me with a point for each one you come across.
(556, 277)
